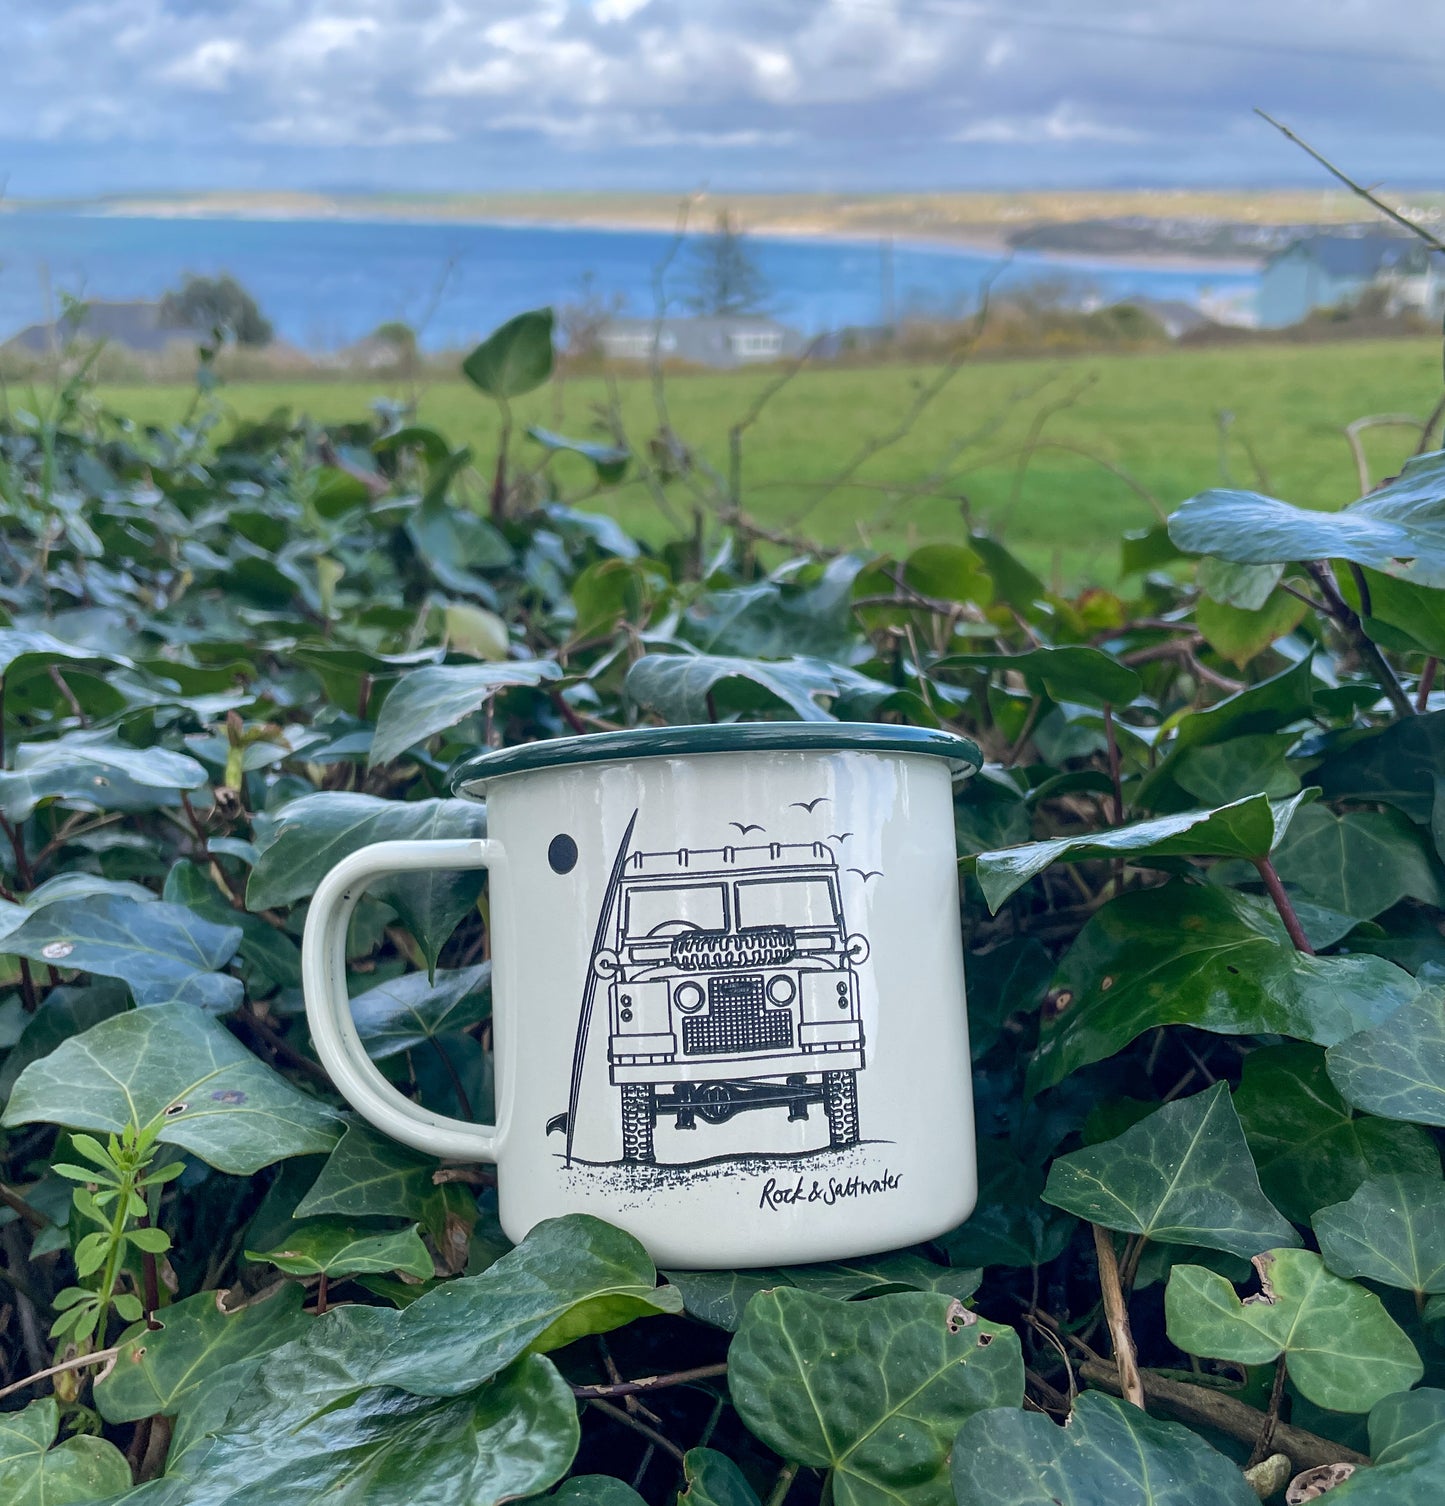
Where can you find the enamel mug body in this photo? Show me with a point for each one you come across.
(728, 988)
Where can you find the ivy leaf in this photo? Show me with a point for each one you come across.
(1398, 764)
(33, 1473)
(1070, 672)
(87, 771)
(714, 1480)
(1392, 1231)
(608, 461)
(1397, 1069)
(161, 1370)
(569, 1278)
(1405, 618)
(719, 1297)
(1398, 529)
(270, 959)
(174, 1066)
(430, 700)
(327, 1247)
(678, 685)
(874, 1391)
(1407, 1451)
(161, 952)
(1219, 775)
(368, 1175)
(1248, 828)
(25, 652)
(1208, 957)
(309, 1428)
(1309, 1146)
(1241, 634)
(308, 837)
(1359, 863)
(408, 1011)
(515, 358)
(595, 1490)
(1108, 1451)
(1342, 1349)
(1182, 1175)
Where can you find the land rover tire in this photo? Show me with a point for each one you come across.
(840, 1099)
(637, 1115)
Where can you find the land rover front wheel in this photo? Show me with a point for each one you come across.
(637, 1116)
(840, 1099)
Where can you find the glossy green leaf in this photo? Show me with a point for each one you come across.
(161, 952)
(1342, 1349)
(1207, 957)
(607, 460)
(270, 958)
(679, 686)
(1182, 1175)
(1399, 616)
(25, 652)
(175, 1067)
(1108, 1452)
(1067, 673)
(719, 1297)
(1247, 587)
(95, 774)
(408, 1011)
(1398, 529)
(874, 1391)
(1359, 863)
(431, 700)
(712, 1479)
(162, 1370)
(515, 358)
(330, 1247)
(1392, 1230)
(1398, 764)
(1397, 1068)
(1309, 1146)
(34, 1473)
(309, 1428)
(368, 1175)
(595, 1490)
(1241, 634)
(569, 1278)
(1407, 1450)
(1249, 828)
(303, 841)
(1223, 773)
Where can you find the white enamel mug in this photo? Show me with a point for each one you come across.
(727, 988)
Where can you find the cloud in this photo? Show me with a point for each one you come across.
(658, 93)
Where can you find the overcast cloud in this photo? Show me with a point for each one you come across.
(117, 95)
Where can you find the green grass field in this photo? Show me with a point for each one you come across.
(1117, 440)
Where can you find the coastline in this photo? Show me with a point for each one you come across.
(974, 240)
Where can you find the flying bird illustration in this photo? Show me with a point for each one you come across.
(871, 874)
(745, 827)
(808, 805)
(839, 836)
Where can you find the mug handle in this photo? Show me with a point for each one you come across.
(328, 1008)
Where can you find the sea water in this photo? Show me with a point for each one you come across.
(326, 282)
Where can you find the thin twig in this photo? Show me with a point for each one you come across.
(636, 1424)
(1283, 904)
(17, 1204)
(1433, 241)
(1347, 619)
(104, 1357)
(1271, 1416)
(1116, 1313)
(1426, 685)
(651, 1382)
(783, 1484)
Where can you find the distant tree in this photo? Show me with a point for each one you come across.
(724, 277)
(401, 338)
(216, 302)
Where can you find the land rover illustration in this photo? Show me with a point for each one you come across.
(731, 983)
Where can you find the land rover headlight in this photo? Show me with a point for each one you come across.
(688, 997)
(781, 988)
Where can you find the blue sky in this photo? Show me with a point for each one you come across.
(104, 96)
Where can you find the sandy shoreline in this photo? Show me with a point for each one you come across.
(978, 241)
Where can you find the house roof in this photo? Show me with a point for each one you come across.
(1362, 256)
(135, 325)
